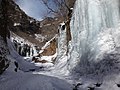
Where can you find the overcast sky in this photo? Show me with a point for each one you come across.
(34, 8)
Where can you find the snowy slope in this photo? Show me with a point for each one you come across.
(22, 80)
(25, 81)
(23, 65)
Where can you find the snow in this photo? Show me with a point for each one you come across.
(49, 58)
(25, 80)
(62, 46)
(46, 66)
(16, 24)
(48, 43)
(19, 39)
(39, 37)
(28, 81)
(28, 59)
(22, 42)
(94, 49)
(92, 26)
(47, 24)
(23, 65)
(61, 62)
(31, 21)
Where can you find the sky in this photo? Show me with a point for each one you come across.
(33, 8)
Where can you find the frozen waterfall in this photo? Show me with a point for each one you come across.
(92, 33)
(62, 47)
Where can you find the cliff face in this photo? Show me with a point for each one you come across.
(3, 20)
(19, 21)
(36, 32)
(4, 62)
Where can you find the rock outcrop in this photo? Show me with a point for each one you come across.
(50, 49)
(4, 33)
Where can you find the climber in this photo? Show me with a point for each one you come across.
(15, 43)
(32, 52)
(19, 50)
(28, 49)
(16, 64)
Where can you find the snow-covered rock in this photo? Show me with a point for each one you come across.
(4, 52)
(16, 24)
(39, 37)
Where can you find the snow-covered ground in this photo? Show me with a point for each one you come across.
(23, 79)
(29, 81)
(39, 37)
(27, 77)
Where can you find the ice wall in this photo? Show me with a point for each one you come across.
(90, 18)
(62, 41)
(62, 47)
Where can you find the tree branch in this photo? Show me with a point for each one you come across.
(45, 3)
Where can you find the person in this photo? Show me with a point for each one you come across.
(19, 50)
(32, 52)
(15, 43)
(28, 49)
(16, 65)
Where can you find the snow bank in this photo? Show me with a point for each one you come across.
(28, 81)
(23, 65)
(49, 58)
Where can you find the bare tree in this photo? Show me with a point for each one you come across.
(60, 9)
